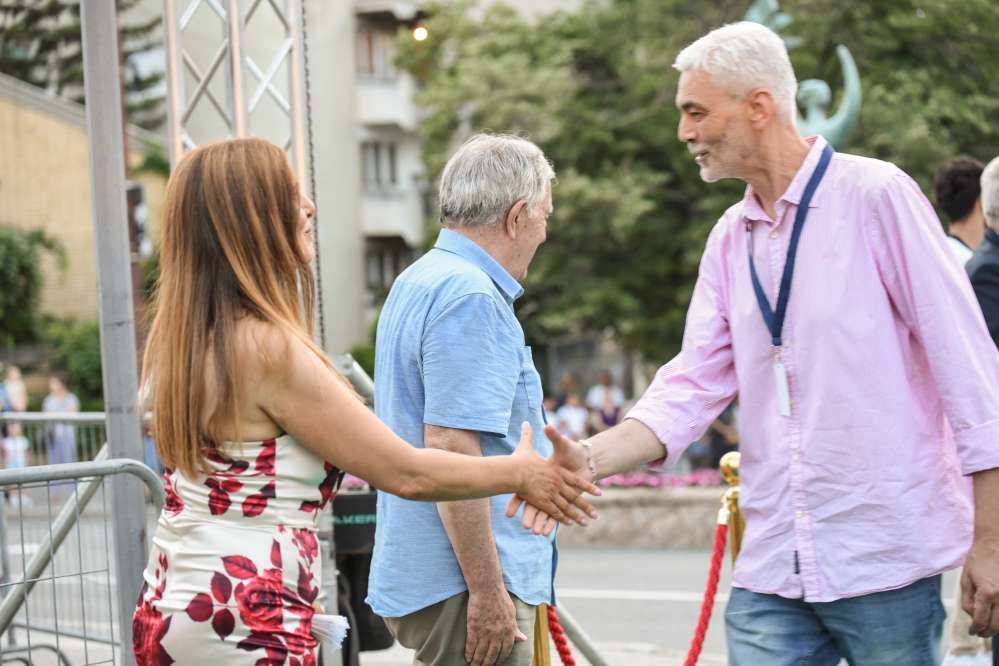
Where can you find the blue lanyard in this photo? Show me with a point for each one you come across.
(775, 320)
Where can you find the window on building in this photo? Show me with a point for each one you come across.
(375, 51)
(392, 175)
(379, 168)
(374, 269)
(385, 258)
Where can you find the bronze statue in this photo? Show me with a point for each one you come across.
(814, 96)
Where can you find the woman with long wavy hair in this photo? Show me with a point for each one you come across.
(254, 424)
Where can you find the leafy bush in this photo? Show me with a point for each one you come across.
(78, 347)
(365, 357)
(21, 282)
(150, 274)
(364, 354)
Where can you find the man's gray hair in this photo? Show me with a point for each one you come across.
(744, 56)
(488, 175)
(990, 193)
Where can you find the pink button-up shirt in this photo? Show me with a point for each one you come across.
(894, 385)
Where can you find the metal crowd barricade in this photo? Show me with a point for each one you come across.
(57, 582)
(53, 437)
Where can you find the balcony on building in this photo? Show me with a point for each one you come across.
(392, 187)
(385, 95)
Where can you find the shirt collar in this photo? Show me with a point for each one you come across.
(466, 248)
(751, 208)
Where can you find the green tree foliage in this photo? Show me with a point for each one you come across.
(21, 282)
(595, 89)
(41, 43)
(928, 69)
(78, 354)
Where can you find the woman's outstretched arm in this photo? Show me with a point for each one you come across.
(311, 404)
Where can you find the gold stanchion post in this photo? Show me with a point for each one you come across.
(729, 467)
(542, 651)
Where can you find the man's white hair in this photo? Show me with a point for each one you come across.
(744, 56)
(990, 193)
(488, 175)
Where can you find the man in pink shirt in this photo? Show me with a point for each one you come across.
(868, 384)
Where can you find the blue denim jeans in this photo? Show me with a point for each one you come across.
(891, 628)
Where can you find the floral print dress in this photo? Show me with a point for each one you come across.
(234, 569)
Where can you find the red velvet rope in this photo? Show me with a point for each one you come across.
(558, 637)
(721, 534)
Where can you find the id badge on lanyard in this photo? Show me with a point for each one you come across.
(783, 390)
(774, 318)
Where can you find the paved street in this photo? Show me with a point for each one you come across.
(639, 606)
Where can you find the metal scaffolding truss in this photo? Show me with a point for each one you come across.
(274, 71)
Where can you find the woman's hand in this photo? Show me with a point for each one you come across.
(548, 485)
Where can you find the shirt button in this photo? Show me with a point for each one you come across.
(796, 456)
(799, 514)
(773, 235)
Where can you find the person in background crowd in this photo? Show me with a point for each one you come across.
(607, 416)
(957, 192)
(17, 393)
(983, 268)
(14, 392)
(572, 417)
(868, 385)
(958, 188)
(4, 407)
(723, 435)
(14, 454)
(604, 400)
(15, 447)
(149, 451)
(696, 456)
(604, 392)
(548, 404)
(566, 386)
(60, 437)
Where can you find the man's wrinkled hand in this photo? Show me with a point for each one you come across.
(492, 627)
(568, 454)
(980, 587)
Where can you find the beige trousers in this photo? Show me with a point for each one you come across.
(437, 633)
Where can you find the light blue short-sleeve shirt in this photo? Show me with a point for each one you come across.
(450, 352)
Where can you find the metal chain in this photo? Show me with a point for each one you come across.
(312, 172)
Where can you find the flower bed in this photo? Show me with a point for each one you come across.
(653, 478)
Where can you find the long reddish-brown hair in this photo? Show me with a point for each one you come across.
(229, 250)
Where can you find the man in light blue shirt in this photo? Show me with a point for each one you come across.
(459, 582)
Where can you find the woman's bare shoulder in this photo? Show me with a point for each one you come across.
(259, 348)
(268, 353)
(260, 343)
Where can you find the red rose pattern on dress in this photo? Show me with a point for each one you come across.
(253, 606)
(148, 624)
(260, 598)
(173, 504)
(327, 489)
(222, 484)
